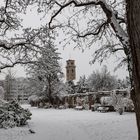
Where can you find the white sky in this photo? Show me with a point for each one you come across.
(81, 59)
(82, 63)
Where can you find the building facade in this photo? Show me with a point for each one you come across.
(15, 88)
(70, 70)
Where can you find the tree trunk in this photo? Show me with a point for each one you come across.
(133, 27)
(50, 90)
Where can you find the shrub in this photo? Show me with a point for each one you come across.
(95, 106)
(128, 104)
(33, 100)
(12, 114)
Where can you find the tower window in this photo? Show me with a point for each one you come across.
(67, 71)
(72, 70)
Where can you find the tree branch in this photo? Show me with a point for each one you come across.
(117, 49)
(98, 30)
(67, 4)
(6, 5)
(112, 19)
(16, 63)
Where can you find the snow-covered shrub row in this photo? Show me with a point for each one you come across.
(12, 114)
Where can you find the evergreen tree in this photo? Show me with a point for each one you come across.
(70, 87)
(81, 84)
(46, 71)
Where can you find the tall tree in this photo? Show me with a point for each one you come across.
(46, 70)
(102, 80)
(133, 28)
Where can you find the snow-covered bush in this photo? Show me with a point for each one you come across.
(79, 101)
(66, 105)
(108, 100)
(86, 103)
(95, 106)
(118, 102)
(12, 114)
(33, 100)
(86, 106)
(128, 104)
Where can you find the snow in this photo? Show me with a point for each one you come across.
(70, 124)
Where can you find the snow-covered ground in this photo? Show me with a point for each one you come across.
(51, 124)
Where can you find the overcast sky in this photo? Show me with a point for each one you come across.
(32, 19)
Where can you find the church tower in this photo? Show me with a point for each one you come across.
(70, 70)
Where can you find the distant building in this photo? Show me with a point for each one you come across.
(70, 70)
(16, 89)
(2, 83)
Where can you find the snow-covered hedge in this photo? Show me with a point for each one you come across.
(12, 114)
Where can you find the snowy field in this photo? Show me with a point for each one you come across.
(51, 124)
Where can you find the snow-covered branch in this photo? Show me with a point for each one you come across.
(112, 18)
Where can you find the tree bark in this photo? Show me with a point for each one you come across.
(133, 27)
